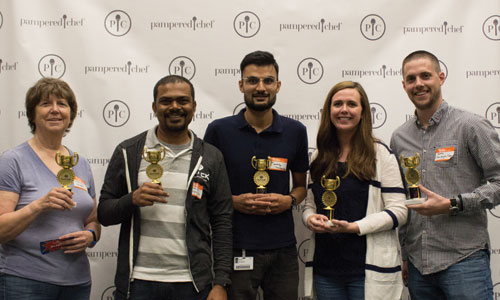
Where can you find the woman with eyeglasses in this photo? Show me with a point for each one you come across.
(354, 204)
(45, 228)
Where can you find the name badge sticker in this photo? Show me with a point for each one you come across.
(197, 190)
(80, 184)
(444, 154)
(278, 164)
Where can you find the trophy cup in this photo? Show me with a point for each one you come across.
(66, 176)
(154, 171)
(261, 178)
(329, 198)
(412, 177)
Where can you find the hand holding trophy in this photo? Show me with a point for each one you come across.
(329, 198)
(412, 177)
(154, 171)
(261, 177)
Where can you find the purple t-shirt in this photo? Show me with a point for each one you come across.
(22, 172)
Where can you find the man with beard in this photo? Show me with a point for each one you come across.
(176, 234)
(445, 243)
(264, 251)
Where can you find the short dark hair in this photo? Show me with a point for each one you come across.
(42, 90)
(422, 54)
(172, 79)
(259, 58)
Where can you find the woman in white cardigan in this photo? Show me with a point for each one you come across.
(354, 204)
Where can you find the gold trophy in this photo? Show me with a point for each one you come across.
(412, 177)
(329, 198)
(154, 170)
(66, 176)
(261, 178)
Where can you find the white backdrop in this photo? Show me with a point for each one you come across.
(113, 52)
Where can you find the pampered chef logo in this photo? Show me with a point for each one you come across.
(246, 24)
(443, 28)
(52, 65)
(379, 115)
(493, 115)
(383, 72)
(128, 68)
(117, 23)
(116, 113)
(193, 24)
(321, 26)
(372, 27)
(310, 70)
(5, 66)
(491, 28)
(182, 66)
(64, 22)
(482, 73)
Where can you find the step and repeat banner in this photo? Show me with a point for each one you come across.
(113, 52)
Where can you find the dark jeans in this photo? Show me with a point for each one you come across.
(19, 288)
(275, 271)
(154, 290)
(349, 288)
(469, 279)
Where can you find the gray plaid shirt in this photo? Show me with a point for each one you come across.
(468, 164)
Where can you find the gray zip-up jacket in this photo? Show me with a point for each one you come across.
(208, 221)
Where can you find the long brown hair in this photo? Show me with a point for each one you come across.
(361, 158)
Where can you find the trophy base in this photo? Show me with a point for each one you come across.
(261, 190)
(415, 201)
(330, 223)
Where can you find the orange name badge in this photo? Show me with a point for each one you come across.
(197, 190)
(278, 164)
(80, 184)
(444, 154)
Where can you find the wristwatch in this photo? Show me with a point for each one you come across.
(294, 201)
(454, 208)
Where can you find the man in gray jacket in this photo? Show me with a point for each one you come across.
(176, 233)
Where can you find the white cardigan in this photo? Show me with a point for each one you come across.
(385, 211)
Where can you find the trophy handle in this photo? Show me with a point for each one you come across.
(144, 153)
(323, 179)
(269, 162)
(402, 160)
(337, 183)
(58, 158)
(75, 158)
(163, 152)
(417, 158)
(253, 161)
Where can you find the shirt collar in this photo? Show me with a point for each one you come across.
(152, 141)
(436, 117)
(276, 126)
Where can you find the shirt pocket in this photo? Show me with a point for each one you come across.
(445, 154)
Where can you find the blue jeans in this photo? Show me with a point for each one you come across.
(18, 288)
(351, 288)
(154, 290)
(275, 271)
(469, 279)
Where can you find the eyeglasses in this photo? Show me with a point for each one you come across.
(252, 80)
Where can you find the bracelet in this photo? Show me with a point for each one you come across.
(95, 238)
